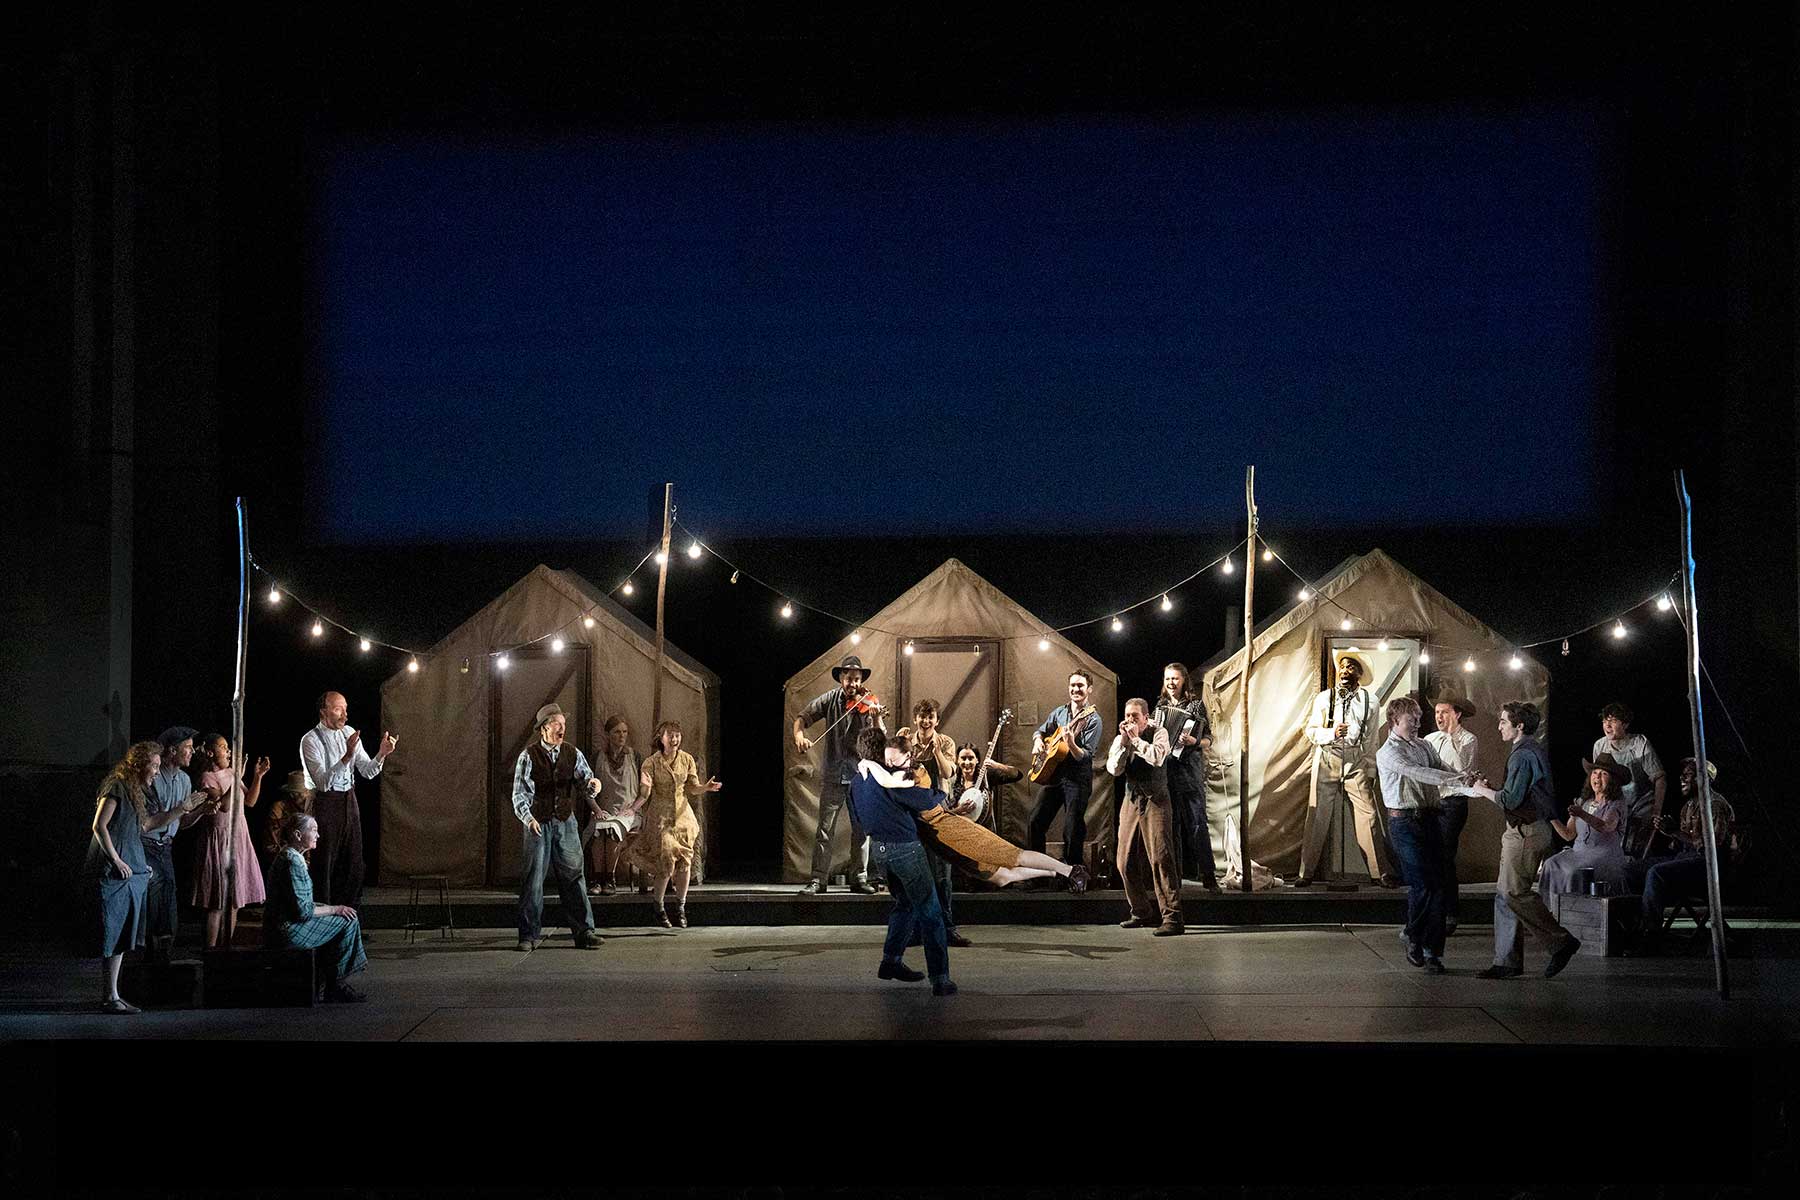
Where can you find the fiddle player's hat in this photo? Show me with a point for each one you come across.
(1459, 703)
(545, 713)
(1363, 671)
(850, 663)
(1612, 766)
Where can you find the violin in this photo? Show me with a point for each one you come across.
(863, 701)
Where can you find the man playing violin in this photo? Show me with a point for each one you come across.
(847, 710)
(1069, 791)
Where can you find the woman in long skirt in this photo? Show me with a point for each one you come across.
(291, 919)
(225, 838)
(1596, 824)
(664, 846)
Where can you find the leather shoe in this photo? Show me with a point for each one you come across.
(955, 938)
(1561, 958)
(527, 945)
(1414, 954)
(898, 970)
(1303, 881)
(1132, 923)
(1210, 884)
(1434, 965)
(863, 887)
(815, 888)
(943, 987)
(1169, 929)
(681, 916)
(1079, 879)
(588, 941)
(1388, 881)
(1499, 972)
(662, 917)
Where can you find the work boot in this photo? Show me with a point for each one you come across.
(898, 970)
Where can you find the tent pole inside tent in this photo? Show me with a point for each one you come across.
(662, 587)
(1709, 845)
(233, 801)
(1244, 688)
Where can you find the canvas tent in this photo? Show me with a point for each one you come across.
(1293, 651)
(446, 795)
(975, 651)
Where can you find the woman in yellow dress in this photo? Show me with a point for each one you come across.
(664, 845)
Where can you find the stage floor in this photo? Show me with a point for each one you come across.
(1341, 983)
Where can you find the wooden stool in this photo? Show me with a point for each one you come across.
(447, 928)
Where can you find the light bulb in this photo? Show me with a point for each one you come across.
(787, 610)
(1304, 595)
(907, 649)
(856, 639)
(1618, 629)
(587, 622)
(412, 665)
(1344, 624)
(694, 550)
(556, 645)
(661, 557)
(1043, 643)
(464, 669)
(1424, 656)
(1663, 603)
(274, 594)
(1382, 644)
(363, 645)
(1226, 567)
(1167, 604)
(1468, 664)
(1118, 626)
(503, 662)
(1515, 663)
(318, 630)
(1268, 554)
(628, 589)
(734, 576)
(1565, 647)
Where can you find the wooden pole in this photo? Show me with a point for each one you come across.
(234, 802)
(662, 587)
(1709, 845)
(1244, 685)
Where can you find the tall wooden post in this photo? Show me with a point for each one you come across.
(234, 802)
(662, 587)
(1709, 844)
(1244, 678)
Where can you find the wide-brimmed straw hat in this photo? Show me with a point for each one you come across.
(296, 784)
(1362, 665)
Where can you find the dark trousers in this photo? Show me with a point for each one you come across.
(1187, 791)
(1067, 794)
(940, 880)
(162, 915)
(1453, 814)
(337, 861)
(915, 905)
(1417, 840)
(834, 798)
(1669, 881)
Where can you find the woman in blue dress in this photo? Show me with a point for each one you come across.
(292, 920)
(1596, 824)
(115, 869)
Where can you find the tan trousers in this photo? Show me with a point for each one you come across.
(1517, 905)
(1148, 860)
(1371, 824)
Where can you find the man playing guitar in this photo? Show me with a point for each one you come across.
(1069, 790)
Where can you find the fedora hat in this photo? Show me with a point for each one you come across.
(546, 712)
(850, 663)
(296, 784)
(1612, 766)
(1459, 703)
(1365, 672)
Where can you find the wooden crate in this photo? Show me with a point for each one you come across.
(258, 979)
(1601, 922)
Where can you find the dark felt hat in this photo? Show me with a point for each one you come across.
(1612, 766)
(850, 663)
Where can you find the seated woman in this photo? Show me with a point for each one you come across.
(664, 848)
(1596, 824)
(949, 832)
(116, 871)
(617, 810)
(225, 837)
(291, 919)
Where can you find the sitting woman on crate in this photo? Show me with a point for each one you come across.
(1596, 824)
(292, 921)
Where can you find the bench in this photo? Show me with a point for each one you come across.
(260, 978)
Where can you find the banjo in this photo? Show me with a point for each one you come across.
(978, 794)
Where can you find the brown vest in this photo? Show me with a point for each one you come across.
(553, 784)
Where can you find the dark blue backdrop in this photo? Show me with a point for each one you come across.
(961, 325)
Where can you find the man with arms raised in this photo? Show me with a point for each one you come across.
(333, 756)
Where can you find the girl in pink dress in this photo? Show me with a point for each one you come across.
(223, 832)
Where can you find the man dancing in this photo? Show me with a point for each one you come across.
(839, 768)
(1455, 748)
(551, 783)
(1342, 731)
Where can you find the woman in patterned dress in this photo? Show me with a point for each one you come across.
(226, 833)
(291, 919)
(664, 845)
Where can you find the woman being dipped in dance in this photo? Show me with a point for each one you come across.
(664, 845)
(948, 830)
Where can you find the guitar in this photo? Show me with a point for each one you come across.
(1049, 761)
(978, 794)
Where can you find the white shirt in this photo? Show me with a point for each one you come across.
(1636, 756)
(1353, 711)
(1410, 772)
(1457, 753)
(322, 758)
(1152, 751)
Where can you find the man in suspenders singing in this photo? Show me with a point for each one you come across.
(1342, 731)
(333, 756)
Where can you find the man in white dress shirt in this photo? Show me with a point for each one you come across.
(332, 754)
(1455, 748)
(1341, 728)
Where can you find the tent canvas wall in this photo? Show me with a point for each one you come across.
(1290, 669)
(975, 651)
(444, 807)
